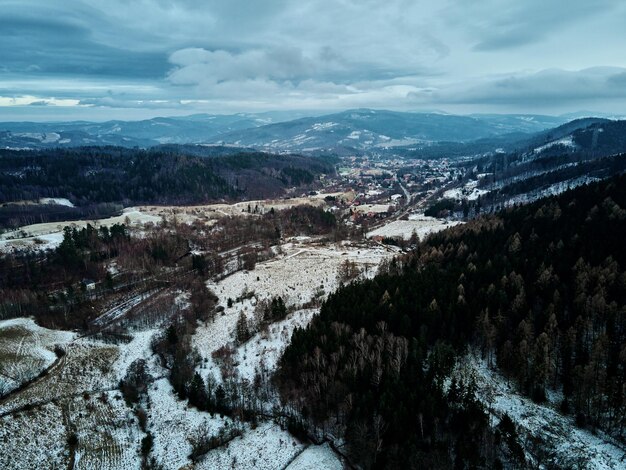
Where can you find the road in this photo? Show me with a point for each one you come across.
(407, 195)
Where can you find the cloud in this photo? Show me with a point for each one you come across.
(126, 103)
(54, 40)
(552, 89)
(196, 66)
(36, 101)
(39, 103)
(500, 25)
(168, 56)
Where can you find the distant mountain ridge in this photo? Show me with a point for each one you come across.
(363, 129)
(359, 129)
(147, 133)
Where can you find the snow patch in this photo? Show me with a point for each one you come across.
(59, 201)
(421, 225)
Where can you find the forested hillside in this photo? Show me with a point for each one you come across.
(579, 151)
(98, 179)
(115, 174)
(540, 289)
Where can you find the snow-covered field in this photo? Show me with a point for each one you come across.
(470, 192)
(267, 447)
(315, 458)
(299, 273)
(34, 439)
(208, 212)
(59, 201)
(80, 396)
(420, 224)
(264, 349)
(88, 366)
(49, 241)
(172, 423)
(85, 368)
(50, 234)
(108, 432)
(564, 444)
(304, 272)
(375, 208)
(26, 349)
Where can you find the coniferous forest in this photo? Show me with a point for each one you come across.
(539, 290)
(100, 181)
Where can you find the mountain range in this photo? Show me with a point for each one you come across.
(352, 130)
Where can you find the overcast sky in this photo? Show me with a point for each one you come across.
(97, 59)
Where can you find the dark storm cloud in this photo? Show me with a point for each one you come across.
(52, 43)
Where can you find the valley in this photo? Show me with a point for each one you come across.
(161, 335)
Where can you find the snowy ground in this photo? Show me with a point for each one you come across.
(303, 272)
(88, 366)
(303, 268)
(34, 439)
(551, 190)
(420, 224)
(299, 273)
(264, 349)
(172, 423)
(49, 235)
(138, 348)
(84, 368)
(49, 241)
(26, 349)
(375, 208)
(59, 201)
(267, 447)
(79, 395)
(108, 432)
(82, 398)
(469, 192)
(315, 458)
(208, 212)
(564, 445)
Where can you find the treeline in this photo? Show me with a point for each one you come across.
(266, 229)
(13, 215)
(540, 289)
(92, 175)
(53, 286)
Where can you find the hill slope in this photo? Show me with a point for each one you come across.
(99, 179)
(366, 129)
(162, 130)
(354, 129)
(540, 289)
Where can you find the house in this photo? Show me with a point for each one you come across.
(89, 284)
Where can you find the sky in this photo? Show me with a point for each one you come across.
(99, 60)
